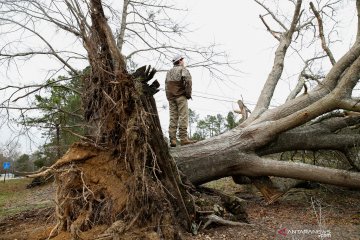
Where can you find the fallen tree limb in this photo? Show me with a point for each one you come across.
(219, 220)
(200, 170)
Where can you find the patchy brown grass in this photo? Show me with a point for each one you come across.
(15, 198)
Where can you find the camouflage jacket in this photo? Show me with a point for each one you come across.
(178, 83)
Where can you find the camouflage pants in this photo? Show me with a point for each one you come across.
(179, 115)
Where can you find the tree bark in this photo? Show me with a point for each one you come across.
(136, 160)
(267, 92)
(318, 136)
(200, 170)
(237, 152)
(121, 34)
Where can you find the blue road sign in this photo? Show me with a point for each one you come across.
(6, 165)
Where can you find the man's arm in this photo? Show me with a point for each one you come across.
(187, 80)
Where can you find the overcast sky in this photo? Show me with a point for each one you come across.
(234, 25)
(237, 27)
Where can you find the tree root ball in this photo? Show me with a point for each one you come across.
(95, 188)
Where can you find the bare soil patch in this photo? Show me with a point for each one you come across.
(336, 210)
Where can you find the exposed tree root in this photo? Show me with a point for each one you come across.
(97, 191)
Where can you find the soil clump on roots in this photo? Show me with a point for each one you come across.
(94, 188)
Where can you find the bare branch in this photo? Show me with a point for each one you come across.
(269, 29)
(321, 34)
(37, 87)
(326, 104)
(277, 69)
(296, 17)
(301, 79)
(326, 86)
(120, 37)
(244, 111)
(65, 26)
(272, 15)
(52, 51)
(300, 84)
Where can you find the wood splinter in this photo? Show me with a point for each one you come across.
(219, 220)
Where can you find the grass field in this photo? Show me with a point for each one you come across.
(15, 198)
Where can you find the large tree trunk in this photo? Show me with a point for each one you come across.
(287, 127)
(125, 175)
(230, 154)
(142, 187)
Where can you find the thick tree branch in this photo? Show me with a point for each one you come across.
(350, 104)
(121, 35)
(311, 141)
(296, 17)
(348, 81)
(334, 122)
(300, 84)
(99, 20)
(238, 163)
(267, 167)
(269, 87)
(326, 86)
(326, 104)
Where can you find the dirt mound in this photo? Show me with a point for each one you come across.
(31, 224)
(95, 192)
(91, 189)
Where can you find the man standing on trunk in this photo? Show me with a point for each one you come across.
(178, 87)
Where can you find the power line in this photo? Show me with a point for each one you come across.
(216, 99)
(214, 95)
(212, 98)
(221, 100)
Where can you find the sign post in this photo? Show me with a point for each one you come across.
(6, 166)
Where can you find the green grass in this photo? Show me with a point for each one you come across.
(14, 184)
(15, 198)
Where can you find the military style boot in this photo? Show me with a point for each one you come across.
(172, 142)
(186, 141)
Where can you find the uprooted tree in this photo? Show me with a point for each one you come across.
(125, 176)
(289, 126)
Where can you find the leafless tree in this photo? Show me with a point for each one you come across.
(146, 26)
(267, 129)
(39, 31)
(130, 149)
(118, 106)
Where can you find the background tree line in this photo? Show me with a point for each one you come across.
(60, 118)
(62, 124)
(211, 125)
